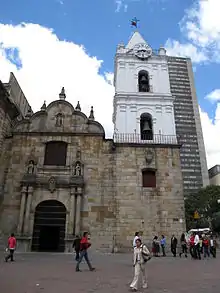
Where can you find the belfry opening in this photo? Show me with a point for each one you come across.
(49, 227)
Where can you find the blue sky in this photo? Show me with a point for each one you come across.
(83, 41)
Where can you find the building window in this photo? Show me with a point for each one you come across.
(55, 153)
(143, 81)
(146, 125)
(149, 178)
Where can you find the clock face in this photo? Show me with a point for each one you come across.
(142, 51)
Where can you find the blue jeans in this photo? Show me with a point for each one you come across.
(83, 254)
(206, 251)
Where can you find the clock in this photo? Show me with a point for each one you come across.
(142, 51)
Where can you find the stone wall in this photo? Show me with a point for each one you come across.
(114, 204)
(8, 114)
(154, 211)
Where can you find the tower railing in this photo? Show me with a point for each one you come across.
(140, 139)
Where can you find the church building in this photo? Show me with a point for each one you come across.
(60, 176)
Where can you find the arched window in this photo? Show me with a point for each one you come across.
(146, 125)
(149, 178)
(55, 153)
(143, 81)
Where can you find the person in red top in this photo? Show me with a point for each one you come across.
(84, 245)
(191, 245)
(11, 247)
(206, 247)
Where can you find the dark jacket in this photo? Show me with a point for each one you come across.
(173, 242)
(76, 244)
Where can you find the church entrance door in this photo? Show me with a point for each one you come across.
(49, 227)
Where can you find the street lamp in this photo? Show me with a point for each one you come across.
(218, 200)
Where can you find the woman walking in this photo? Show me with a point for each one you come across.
(156, 246)
(141, 256)
(183, 245)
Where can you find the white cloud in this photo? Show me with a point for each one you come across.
(201, 28)
(214, 96)
(121, 4)
(211, 131)
(118, 5)
(174, 48)
(49, 63)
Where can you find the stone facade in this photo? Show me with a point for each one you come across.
(105, 196)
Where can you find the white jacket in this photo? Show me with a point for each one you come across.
(138, 257)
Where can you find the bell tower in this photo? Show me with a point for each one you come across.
(143, 104)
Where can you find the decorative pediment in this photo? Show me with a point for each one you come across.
(60, 116)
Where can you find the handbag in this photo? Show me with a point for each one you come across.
(146, 257)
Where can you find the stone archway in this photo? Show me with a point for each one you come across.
(49, 227)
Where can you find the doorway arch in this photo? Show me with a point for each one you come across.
(49, 227)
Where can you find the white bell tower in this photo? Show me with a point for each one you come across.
(143, 104)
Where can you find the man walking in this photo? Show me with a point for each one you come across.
(213, 245)
(136, 236)
(76, 245)
(174, 245)
(197, 253)
(11, 247)
(163, 245)
(84, 245)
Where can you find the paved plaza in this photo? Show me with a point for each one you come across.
(55, 273)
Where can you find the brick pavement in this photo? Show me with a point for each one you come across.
(55, 273)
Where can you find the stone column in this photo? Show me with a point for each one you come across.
(71, 212)
(27, 212)
(22, 208)
(78, 210)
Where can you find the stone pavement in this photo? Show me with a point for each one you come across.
(55, 273)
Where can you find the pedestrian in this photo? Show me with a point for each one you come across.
(136, 236)
(183, 245)
(163, 245)
(174, 245)
(11, 247)
(141, 256)
(197, 248)
(156, 246)
(76, 246)
(213, 245)
(201, 244)
(84, 245)
(191, 245)
(206, 247)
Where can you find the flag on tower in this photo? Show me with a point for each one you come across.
(134, 22)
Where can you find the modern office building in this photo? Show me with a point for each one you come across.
(214, 175)
(188, 125)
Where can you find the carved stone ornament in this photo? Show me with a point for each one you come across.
(149, 156)
(59, 119)
(52, 184)
(30, 167)
(78, 169)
